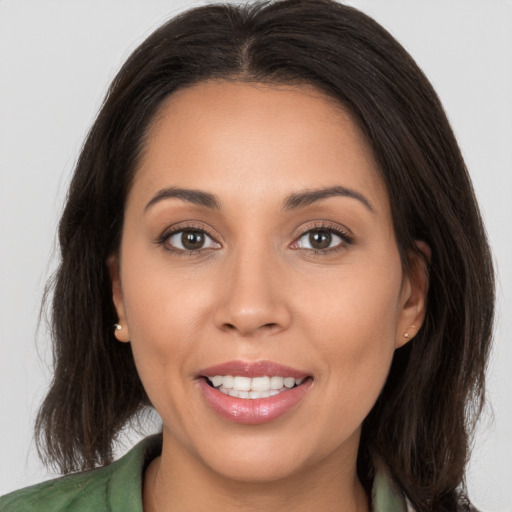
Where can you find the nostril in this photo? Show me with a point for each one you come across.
(247, 327)
(265, 327)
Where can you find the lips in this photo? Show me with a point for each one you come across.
(253, 393)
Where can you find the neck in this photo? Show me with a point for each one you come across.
(178, 481)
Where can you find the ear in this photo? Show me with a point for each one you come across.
(413, 297)
(122, 334)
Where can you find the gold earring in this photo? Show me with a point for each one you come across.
(117, 327)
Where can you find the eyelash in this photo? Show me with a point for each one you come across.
(346, 238)
(164, 238)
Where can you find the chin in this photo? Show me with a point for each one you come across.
(257, 468)
(272, 457)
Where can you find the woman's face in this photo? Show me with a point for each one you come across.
(258, 243)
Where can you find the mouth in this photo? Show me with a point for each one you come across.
(252, 393)
(253, 388)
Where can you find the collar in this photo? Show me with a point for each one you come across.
(386, 496)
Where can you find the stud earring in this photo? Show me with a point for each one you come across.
(117, 327)
(407, 335)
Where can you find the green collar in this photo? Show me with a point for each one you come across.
(386, 497)
(117, 488)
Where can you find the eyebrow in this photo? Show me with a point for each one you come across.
(292, 202)
(302, 199)
(192, 196)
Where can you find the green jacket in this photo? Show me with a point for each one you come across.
(117, 488)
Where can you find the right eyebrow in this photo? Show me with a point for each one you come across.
(185, 194)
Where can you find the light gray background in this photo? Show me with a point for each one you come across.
(56, 60)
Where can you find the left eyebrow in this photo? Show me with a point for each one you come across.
(302, 199)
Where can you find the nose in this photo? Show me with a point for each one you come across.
(253, 300)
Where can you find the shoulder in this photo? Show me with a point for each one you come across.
(66, 493)
(113, 487)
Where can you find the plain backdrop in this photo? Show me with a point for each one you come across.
(57, 58)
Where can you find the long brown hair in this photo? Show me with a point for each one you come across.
(422, 423)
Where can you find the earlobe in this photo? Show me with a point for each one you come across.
(121, 327)
(414, 295)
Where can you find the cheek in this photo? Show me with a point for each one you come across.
(160, 296)
(358, 306)
(164, 312)
(353, 323)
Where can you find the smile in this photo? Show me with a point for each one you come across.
(253, 392)
(253, 388)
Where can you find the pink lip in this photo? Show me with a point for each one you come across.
(252, 369)
(253, 411)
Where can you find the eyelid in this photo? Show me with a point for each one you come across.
(327, 226)
(345, 234)
(180, 227)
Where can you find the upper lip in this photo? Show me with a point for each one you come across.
(253, 369)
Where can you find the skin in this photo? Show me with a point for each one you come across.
(257, 291)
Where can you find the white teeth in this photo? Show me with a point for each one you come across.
(289, 382)
(260, 384)
(227, 381)
(250, 394)
(242, 383)
(217, 380)
(276, 382)
(252, 388)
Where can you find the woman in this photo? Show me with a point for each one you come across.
(272, 210)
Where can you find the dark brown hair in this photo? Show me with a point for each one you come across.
(422, 423)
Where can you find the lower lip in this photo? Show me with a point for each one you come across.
(253, 411)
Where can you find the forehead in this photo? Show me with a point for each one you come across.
(236, 138)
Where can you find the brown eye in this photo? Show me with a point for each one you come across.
(320, 239)
(190, 240)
